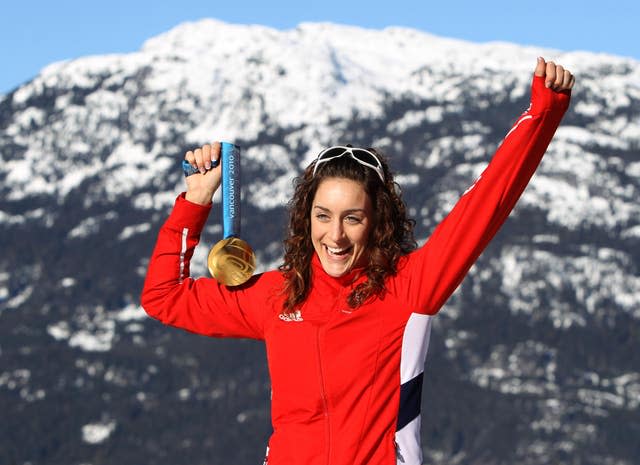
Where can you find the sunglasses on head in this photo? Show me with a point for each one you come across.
(362, 156)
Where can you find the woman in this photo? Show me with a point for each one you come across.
(346, 319)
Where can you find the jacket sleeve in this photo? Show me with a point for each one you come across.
(202, 305)
(439, 266)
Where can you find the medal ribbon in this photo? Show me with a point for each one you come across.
(230, 155)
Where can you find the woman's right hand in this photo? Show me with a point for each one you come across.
(201, 186)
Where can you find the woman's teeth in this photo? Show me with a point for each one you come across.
(336, 251)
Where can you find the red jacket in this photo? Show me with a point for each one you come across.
(346, 383)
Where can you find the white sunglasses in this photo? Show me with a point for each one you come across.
(362, 156)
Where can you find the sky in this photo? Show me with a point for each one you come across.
(34, 34)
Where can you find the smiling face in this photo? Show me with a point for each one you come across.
(341, 219)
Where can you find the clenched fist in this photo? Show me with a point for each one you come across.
(556, 77)
(202, 185)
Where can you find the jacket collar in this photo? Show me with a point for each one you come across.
(354, 275)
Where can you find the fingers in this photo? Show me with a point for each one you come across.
(550, 74)
(559, 77)
(541, 67)
(556, 77)
(569, 80)
(205, 157)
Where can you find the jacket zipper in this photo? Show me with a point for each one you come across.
(323, 396)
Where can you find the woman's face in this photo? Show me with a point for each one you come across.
(341, 219)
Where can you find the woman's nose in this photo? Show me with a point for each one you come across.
(337, 231)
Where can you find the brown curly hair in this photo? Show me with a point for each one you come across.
(391, 235)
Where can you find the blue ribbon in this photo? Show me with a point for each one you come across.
(230, 158)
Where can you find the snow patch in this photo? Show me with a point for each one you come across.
(68, 282)
(91, 225)
(20, 298)
(99, 432)
(130, 313)
(59, 331)
(130, 231)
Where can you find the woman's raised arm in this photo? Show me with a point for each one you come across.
(440, 265)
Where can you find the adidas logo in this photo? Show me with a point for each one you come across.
(294, 316)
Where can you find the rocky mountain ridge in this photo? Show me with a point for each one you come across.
(533, 359)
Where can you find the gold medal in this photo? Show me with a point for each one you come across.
(231, 261)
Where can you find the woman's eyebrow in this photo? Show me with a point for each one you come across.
(355, 210)
(348, 211)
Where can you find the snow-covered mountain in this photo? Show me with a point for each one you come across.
(533, 360)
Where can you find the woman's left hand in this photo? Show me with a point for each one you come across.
(556, 76)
